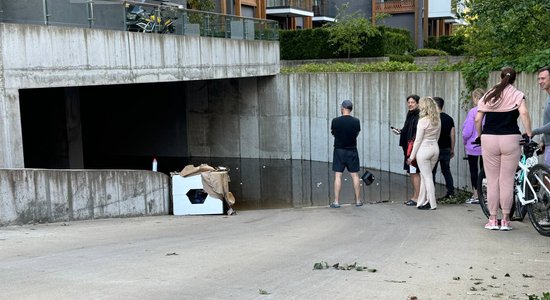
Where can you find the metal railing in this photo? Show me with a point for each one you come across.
(165, 18)
(395, 6)
(301, 4)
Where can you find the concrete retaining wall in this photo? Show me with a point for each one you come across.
(30, 196)
(288, 116)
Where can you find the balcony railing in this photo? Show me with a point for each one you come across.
(325, 8)
(300, 4)
(136, 16)
(395, 6)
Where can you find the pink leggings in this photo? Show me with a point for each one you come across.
(500, 160)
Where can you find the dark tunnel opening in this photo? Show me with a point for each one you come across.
(105, 127)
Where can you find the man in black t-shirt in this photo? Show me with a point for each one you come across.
(345, 130)
(446, 147)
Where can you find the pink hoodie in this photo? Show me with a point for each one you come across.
(509, 100)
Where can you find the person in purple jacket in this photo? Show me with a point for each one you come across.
(469, 134)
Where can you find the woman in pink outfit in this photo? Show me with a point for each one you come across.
(501, 106)
(426, 151)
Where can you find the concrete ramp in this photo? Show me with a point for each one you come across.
(41, 195)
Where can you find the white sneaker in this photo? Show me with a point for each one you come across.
(472, 201)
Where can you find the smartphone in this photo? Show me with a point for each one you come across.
(395, 130)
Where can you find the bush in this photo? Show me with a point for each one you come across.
(429, 52)
(397, 41)
(313, 44)
(391, 66)
(401, 58)
(453, 44)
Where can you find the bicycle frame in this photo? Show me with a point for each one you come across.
(525, 165)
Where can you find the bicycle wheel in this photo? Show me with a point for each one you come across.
(539, 212)
(482, 192)
(482, 196)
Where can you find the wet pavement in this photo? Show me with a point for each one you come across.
(275, 183)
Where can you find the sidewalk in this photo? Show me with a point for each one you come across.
(442, 254)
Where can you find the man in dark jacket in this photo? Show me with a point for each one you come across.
(446, 147)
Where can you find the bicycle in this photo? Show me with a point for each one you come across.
(531, 190)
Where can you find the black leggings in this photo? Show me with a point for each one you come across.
(473, 161)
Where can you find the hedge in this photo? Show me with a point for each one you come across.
(313, 44)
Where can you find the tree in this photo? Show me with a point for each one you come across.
(506, 28)
(350, 32)
(204, 5)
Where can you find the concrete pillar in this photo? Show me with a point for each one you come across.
(74, 128)
(11, 140)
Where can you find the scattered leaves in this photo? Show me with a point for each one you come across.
(171, 253)
(527, 275)
(396, 281)
(320, 265)
(493, 277)
(263, 292)
(344, 267)
(456, 278)
(506, 275)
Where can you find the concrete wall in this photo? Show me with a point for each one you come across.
(34, 56)
(30, 195)
(288, 117)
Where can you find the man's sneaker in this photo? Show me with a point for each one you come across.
(492, 225)
(505, 225)
(472, 201)
(334, 205)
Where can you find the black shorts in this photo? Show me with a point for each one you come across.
(345, 158)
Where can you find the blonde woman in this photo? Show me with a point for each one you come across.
(426, 151)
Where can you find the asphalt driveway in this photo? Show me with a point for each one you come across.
(270, 254)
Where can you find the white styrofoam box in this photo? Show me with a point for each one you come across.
(183, 206)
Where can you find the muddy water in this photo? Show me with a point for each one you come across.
(273, 183)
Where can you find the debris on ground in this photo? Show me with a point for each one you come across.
(263, 292)
(343, 267)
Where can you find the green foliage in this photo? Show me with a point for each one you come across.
(204, 5)
(313, 44)
(545, 296)
(305, 44)
(429, 52)
(453, 44)
(507, 28)
(199, 18)
(390, 66)
(397, 41)
(351, 31)
(534, 61)
(401, 58)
